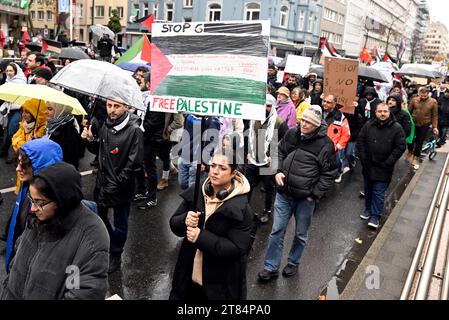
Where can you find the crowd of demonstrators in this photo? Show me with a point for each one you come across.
(307, 169)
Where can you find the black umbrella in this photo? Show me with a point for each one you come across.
(369, 73)
(34, 46)
(73, 53)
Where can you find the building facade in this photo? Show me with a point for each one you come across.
(44, 16)
(295, 24)
(436, 42)
(333, 21)
(13, 16)
(419, 34)
(384, 24)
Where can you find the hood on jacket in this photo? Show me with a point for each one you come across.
(19, 77)
(241, 186)
(38, 109)
(316, 82)
(398, 98)
(371, 90)
(42, 153)
(65, 182)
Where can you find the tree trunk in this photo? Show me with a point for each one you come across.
(30, 22)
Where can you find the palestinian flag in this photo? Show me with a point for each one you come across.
(376, 54)
(210, 68)
(50, 45)
(388, 58)
(140, 52)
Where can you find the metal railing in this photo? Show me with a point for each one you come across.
(431, 246)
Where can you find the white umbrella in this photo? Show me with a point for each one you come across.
(100, 29)
(416, 70)
(100, 79)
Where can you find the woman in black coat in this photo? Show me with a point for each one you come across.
(63, 129)
(213, 256)
(64, 251)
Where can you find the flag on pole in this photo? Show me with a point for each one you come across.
(50, 45)
(401, 48)
(365, 57)
(333, 51)
(376, 54)
(147, 21)
(140, 52)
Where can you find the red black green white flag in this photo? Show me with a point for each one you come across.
(210, 68)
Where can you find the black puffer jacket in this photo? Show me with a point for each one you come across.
(380, 145)
(120, 157)
(53, 256)
(443, 112)
(70, 141)
(154, 124)
(310, 165)
(402, 117)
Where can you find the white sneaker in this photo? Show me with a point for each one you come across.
(346, 170)
(339, 178)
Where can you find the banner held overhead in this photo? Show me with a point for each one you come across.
(210, 68)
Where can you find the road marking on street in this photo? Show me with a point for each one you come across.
(12, 189)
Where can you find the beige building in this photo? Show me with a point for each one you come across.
(44, 17)
(436, 41)
(333, 21)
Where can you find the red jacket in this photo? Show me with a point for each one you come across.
(338, 129)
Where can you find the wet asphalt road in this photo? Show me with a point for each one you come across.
(151, 249)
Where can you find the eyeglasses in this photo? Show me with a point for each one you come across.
(326, 101)
(39, 204)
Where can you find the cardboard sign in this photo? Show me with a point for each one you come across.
(297, 64)
(340, 80)
(210, 68)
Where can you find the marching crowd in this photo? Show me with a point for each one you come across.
(307, 143)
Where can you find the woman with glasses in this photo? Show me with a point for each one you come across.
(34, 156)
(64, 251)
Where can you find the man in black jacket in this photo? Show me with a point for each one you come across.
(120, 157)
(105, 46)
(394, 102)
(368, 103)
(380, 145)
(307, 169)
(443, 116)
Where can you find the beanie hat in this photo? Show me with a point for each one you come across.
(284, 90)
(270, 100)
(313, 115)
(43, 73)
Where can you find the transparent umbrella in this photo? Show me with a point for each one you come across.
(99, 30)
(100, 79)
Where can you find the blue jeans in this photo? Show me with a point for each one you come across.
(187, 174)
(284, 208)
(375, 196)
(119, 232)
(341, 157)
(350, 155)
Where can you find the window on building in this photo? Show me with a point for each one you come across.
(40, 15)
(252, 11)
(283, 21)
(146, 9)
(155, 10)
(188, 3)
(99, 11)
(187, 19)
(80, 11)
(312, 23)
(340, 19)
(301, 20)
(169, 12)
(329, 14)
(324, 34)
(120, 12)
(33, 15)
(214, 12)
(136, 10)
(49, 15)
(338, 39)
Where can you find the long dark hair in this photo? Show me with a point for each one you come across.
(12, 65)
(53, 226)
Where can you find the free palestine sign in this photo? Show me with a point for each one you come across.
(210, 68)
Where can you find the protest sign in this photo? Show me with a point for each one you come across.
(340, 80)
(297, 64)
(210, 68)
